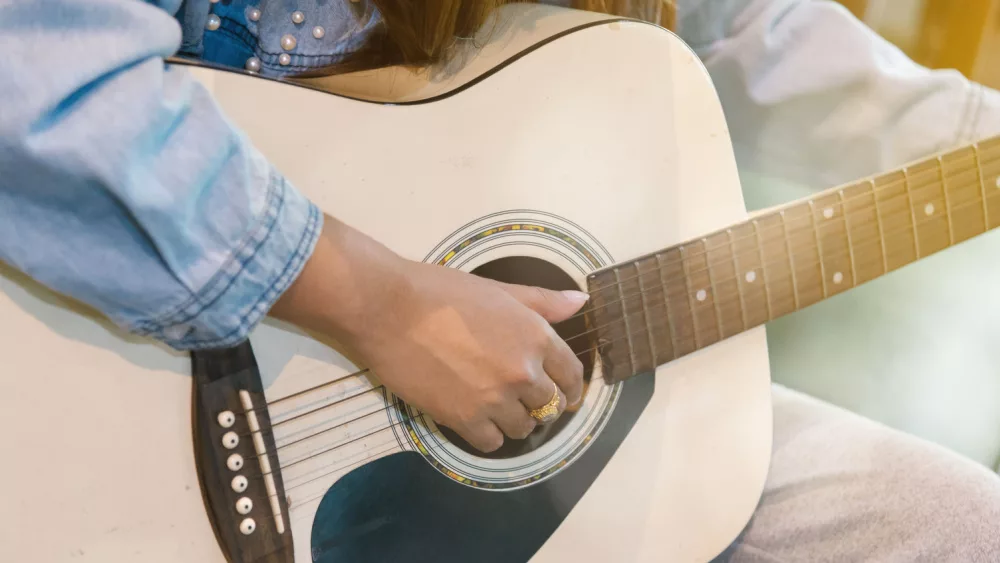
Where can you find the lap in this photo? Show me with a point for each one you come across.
(844, 488)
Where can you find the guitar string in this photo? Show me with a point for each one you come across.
(977, 164)
(726, 300)
(390, 425)
(307, 413)
(306, 502)
(659, 322)
(760, 232)
(810, 227)
(372, 432)
(313, 388)
(813, 263)
(355, 439)
(882, 258)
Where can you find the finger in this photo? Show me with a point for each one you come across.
(565, 368)
(553, 306)
(540, 395)
(484, 436)
(514, 421)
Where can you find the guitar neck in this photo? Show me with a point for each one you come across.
(668, 304)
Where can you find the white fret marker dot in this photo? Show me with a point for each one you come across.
(929, 209)
(998, 181)
(838, 277)
(701, 295)
(828, 213)
(751, 276)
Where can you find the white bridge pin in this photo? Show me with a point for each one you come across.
(247, 526)
(239, 483)
(244, 505)
(235, 462)
(227, 419)
(230, 440)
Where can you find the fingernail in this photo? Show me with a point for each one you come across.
(577, 297)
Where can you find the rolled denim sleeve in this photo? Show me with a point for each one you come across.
(123, 185)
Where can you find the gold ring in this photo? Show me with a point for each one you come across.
(550, 411)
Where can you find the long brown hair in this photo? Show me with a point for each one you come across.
(418, 32)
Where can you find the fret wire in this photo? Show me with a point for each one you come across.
(645, 314)
(763, 269)
(715, 294)
(736, 271)
(893, 232)
(881, 231)
(947, 203)
(913, 213)
(847, 231)
(666, 306)
(819, 246)
(628, 329)
(687, 290)
(905, 172)
(982, 185)
(791, 262)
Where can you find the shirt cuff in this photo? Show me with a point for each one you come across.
(248, 284)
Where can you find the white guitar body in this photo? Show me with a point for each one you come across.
(611, 134)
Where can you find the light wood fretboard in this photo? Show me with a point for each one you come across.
(659, 307)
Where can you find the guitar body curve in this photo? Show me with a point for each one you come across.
(601, 144)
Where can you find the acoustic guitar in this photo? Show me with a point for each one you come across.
(571, 150)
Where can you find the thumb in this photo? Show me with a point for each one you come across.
(553, 306)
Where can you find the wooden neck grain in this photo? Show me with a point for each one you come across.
(662, 306)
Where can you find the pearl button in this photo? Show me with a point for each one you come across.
(178, 332)
(287, 42)
(248, 526)
(253, 64)
(253, 14)
(230, 440)
(239, 483)
(235, 462)
(319, 32)
(244, 506)
(284, 59)
(213, 22)
(298, 17)
(227, 419)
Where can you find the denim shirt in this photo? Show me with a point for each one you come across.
(123, 185)
(275, 37)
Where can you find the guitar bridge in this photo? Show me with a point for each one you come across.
(236, 458)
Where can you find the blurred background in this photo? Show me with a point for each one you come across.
(959, 34)
(918, 350)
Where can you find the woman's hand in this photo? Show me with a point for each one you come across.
(474, 354)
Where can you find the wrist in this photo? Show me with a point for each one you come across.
(350, 286)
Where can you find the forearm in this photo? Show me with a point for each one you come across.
(349, 281)
(124, 186)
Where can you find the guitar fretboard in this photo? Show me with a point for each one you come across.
(662, 306)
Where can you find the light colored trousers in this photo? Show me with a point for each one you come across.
(843, 488)
(814, 97)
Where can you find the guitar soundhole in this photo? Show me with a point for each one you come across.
(527, 270)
